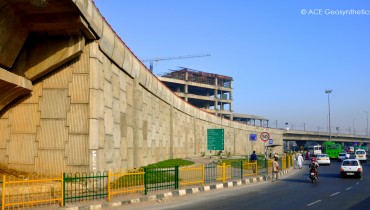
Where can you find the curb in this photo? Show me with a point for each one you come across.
(178, 192)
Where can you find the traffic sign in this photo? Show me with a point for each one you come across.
(271, 141)
(215, 139)
(265, 136)
(252, 137)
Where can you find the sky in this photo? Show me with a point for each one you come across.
(282, 55)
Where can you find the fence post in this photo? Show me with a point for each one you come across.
(241, 170)
(176, 177)
(203, 175)
(63, 189)
(3, 195)
(223, 172)
(145, 181)
(108, 186)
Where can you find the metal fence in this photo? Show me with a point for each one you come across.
(85, 186)
(32, 191)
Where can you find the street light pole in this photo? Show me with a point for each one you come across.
(328, 92)
(353, 125)
(367, 123)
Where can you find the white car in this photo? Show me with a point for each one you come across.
(351, 167)
(342, 156)
(323, 159)
(361, 155)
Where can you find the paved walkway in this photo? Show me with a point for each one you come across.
(162, 195)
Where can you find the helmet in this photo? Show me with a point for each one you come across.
(313, 160)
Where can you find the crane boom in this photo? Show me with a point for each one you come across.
(171, 58)
(176, 57)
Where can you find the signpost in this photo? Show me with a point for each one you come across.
(252, 137)
(265, 136)
(215, 139)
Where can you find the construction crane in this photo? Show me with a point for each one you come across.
(171, 58)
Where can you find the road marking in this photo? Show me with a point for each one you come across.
(358, 183)
(313, 203)
(335, 194)
(349, 188)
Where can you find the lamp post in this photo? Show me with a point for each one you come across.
(328, 92)
(353, 125)
(367, 123)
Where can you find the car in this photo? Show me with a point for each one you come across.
(351, 167)
(361, 155)
(342, 156)
(323, 159)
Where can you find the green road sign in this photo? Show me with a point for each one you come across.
(215, 139)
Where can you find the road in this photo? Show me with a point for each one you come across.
(294, 191)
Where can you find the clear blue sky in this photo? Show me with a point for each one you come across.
(282, 55)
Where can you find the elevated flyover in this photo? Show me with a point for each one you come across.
(298, 135)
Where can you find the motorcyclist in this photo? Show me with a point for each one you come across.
(314, 166)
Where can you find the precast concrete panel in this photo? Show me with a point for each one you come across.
(78, 119)
(109, 149)
(118, 52)
(101, 133)
(22, 148)
(108, 121)
(54, 103)
(115, 84)
(24, 118)
(50, 162)
(94, 134)
(59, 78)
(52, 134)
(142, 75)
(79, 88)
(130, 92)
(96, 104)
(34, 96)
(106, 42)
(108, 94)
(116, 136)
(5, 132)
(136, 69)
(127, 63)
(77, 150)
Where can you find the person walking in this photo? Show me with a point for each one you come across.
(253, 157)
(299, 161)
(275, 170)
(253, 160)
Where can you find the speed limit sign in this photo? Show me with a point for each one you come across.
(265, 136)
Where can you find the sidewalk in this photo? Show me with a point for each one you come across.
(161, 195)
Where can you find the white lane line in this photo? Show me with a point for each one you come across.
(313, 203)
(334, 194)
(358, 183)
(348, 188)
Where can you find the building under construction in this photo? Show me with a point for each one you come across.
(210, 92)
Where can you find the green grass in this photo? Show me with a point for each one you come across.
(170, 163)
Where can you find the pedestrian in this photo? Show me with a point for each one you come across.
(275, 170)
(253, 157)
(299, 161)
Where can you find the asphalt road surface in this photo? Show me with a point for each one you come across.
(293, 191)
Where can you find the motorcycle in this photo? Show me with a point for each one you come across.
(313, 176)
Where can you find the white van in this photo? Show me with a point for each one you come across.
(361, 155)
